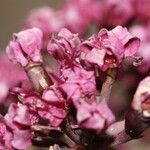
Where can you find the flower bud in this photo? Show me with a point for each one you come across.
(25, 46)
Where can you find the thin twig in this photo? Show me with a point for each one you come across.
(107, 85)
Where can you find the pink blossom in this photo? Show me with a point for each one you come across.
(94, 116)
(5, 136)
(109, 48)
(53, 96)
(65, 46)
(78, 82)
(20, 114)
(47, 109)
(26, 45)
(141, 98)
(118, 12)
(47, 19)
(11, 139)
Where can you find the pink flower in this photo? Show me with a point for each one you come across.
(21, 115)
(118, 12)
(53, 96)
(107, 49)
(78, 82)
(65, 46)
(47, 19)
(5, 135)
(94, 116)
(11, 139)
(26, 45)
(141, 99)
(47, 109)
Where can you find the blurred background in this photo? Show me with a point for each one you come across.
(13, 14)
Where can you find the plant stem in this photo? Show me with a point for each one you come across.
(107, 85)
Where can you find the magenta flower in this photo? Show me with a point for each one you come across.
(53, 96)
(94, 116)
(65, 47)
(47, 109)
(107, 49)
(141, 98)
(21, 115)
(13, 138)
(5, 135)
(78, 82)
(25, 46)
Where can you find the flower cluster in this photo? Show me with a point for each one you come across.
(77, 104)
(70, 91)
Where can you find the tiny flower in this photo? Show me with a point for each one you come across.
(94, 116)
(107, 49)
(5, 135)
(21, 115)
(138, 116)
(141, 99)
(78, 82)
(65, 47)
(92, 10)
(46, 108)
(25, 46)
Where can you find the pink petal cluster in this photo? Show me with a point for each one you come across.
(142, 96)
(65, 46)
(94, 116)
(15, 131)
(107, 49)
(49, 108)
(78, 83)
(25, 46)
(5, 135)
